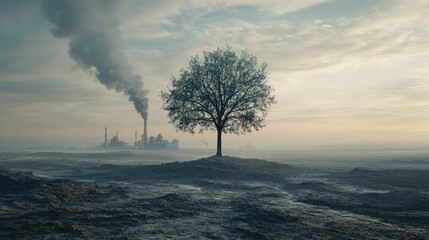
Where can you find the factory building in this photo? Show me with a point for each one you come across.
(152, 142)
(157, 141)
(114, 142)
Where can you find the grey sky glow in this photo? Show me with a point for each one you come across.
(344, 71)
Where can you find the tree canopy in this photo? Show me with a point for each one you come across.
(221, 91)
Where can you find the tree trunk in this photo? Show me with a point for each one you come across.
(219, 143)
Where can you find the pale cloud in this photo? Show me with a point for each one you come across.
(379, 36)
(139, 12)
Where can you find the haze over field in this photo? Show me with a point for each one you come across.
(344, 72)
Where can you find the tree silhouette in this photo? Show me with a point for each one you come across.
(223, 91)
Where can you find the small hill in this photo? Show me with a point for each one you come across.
(205, 168)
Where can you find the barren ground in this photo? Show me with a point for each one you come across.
(93, 195)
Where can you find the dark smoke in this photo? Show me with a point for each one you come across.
(96, 44)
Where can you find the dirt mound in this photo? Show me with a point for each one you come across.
(237, 164)
(205, 168)
(33, 207)
(29, 191)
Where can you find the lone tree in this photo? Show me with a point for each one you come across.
(223, 91)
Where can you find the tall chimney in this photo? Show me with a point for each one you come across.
(117, 134)
(135, 138)
(144, 132)
(105, 137)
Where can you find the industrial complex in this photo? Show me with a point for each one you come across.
(145, 142)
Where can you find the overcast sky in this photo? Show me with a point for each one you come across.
(345, 72)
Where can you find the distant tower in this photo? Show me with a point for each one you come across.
(105, 137)
(145, 132)
(117, 134)
(135, 138)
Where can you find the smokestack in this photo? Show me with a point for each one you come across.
(135, 138)
(145, 131)
(105, 137)
(117, 134)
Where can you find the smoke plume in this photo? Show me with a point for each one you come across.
(96, 44)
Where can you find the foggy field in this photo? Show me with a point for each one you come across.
(369, 194)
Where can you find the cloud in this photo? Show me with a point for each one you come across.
(381, 35)
(137, 15)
